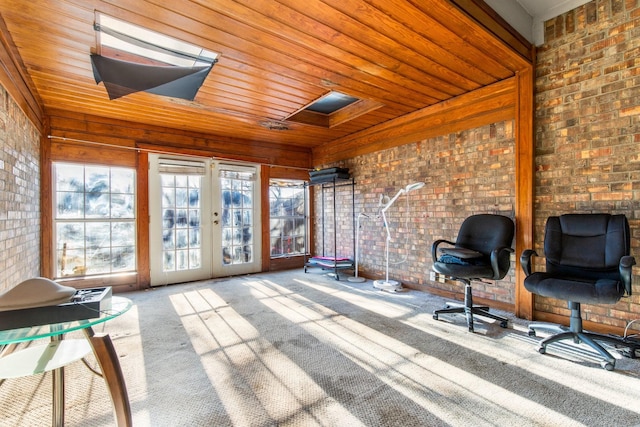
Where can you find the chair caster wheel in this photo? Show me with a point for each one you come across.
(542, 350)
(504, 324)
(435, 317)
(532, 333)
(607, 365)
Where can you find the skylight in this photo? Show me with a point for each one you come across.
(133, 59)
(137, 41)
(333, 109)
(331, 102)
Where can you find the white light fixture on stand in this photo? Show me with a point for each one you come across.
(392, 285)
(355, 277)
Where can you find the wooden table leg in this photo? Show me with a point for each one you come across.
(57, 379)
(107, 358)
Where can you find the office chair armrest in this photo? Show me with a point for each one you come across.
(525, 260)
(496, 257)
(626, 265)
(434, 248)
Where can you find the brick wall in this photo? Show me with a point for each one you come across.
(465, 173)
(588, 128)
(19, 195)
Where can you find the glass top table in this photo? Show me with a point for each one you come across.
(60, 352)
(119, 305)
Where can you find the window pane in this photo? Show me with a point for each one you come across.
(122, 206)
(98, 261)
(169, 263)
(195, 258)
(123, 258)
(182, 258)
(72, 262)
(194, 198)
(168, 240)
(97, 180)
(70, 235)
(70, 178)
(97, 205)
(168, 197)
(122, 181)
(181, 218)
(123, 234)
(70, 205)
(181, 198)
(168, 218)
(167, 180)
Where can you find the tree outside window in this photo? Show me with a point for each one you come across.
(287, 217)
(94, 220)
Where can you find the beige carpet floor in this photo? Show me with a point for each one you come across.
(296, 349)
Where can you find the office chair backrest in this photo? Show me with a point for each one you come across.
(485, 232)
(587, 246)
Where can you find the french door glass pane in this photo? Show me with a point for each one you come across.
(181, 219)
(237, 218)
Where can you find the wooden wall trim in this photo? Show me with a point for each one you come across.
(142, 224)
(14, 78)
(47, 268)
(289, 173)
(483, 106)
(524, 151)
(265, 218)
(69, 151)
(101, 130)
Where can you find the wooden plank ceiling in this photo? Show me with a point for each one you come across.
(277, 56)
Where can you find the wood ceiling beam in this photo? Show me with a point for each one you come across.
(483, 106)
(488, 18)
(12, 78)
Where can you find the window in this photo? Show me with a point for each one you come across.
(94, 220)
(287, 217)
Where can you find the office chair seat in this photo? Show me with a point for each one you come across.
(600, 291)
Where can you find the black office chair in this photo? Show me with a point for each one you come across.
(587, 261)
(482, 250)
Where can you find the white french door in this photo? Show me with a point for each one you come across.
(236, 219)
(204, 219)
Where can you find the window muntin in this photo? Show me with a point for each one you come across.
(94, 220)
(287, 217)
